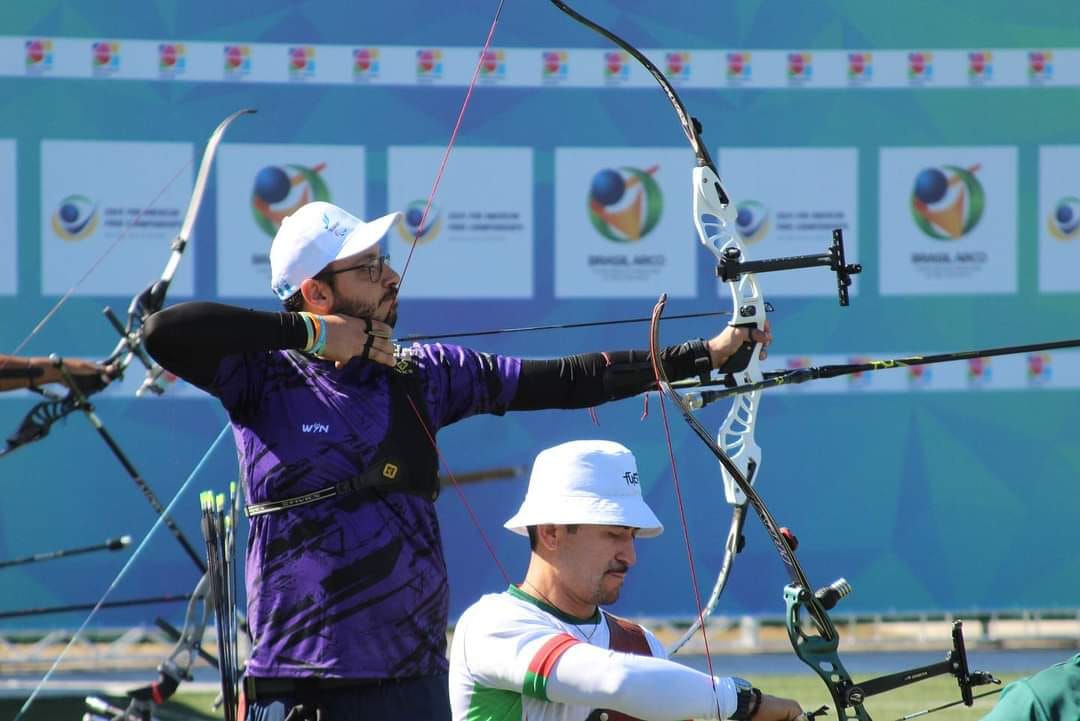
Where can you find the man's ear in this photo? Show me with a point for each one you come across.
(547, 535)
(318, 296)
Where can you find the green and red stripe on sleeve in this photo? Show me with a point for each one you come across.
(536, 677)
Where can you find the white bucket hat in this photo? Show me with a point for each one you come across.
(587, 482)
(313, 237)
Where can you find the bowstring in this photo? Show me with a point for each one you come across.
(453, 139)
(654, 350)
(416, 236)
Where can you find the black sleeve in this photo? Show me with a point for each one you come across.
(582, 381)
(191, 339)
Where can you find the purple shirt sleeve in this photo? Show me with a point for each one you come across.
(462, 382)
(239, 380)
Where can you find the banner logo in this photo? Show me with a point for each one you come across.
(800, 67)
(105, 57)
(947, 202)
(365, 63)
(677, 66)
(76, 218)
(752, 221)
(493, 65)
(1038, 368)
(1040, 65)
(1064, 220)
(860, 68)
(739, 68)
(39, 55)
(429, 64)
(919, 376)
(980, 66)
(416, 226)
(301, 63)
(237, 61)
(920, 67)
(280, 191)
(616, 66)
(979, 372)
(625, 204)
(555, 65)
(172, 59)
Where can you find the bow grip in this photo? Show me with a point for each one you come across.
(741, 358)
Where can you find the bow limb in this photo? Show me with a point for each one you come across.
(39, 420)
(174, 669)
(826, 636)
(152, 299)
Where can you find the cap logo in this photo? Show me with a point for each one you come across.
(631, 478)
(334, 229)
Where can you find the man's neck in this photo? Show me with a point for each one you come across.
(542, 583)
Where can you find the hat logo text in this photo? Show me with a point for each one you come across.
(334, 229)
(631, 478)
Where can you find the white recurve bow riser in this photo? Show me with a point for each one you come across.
(715, 223)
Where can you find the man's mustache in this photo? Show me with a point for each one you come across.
(618, 568)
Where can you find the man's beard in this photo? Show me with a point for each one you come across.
(604, 598)
(357, 309)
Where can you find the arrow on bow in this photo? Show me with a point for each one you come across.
(700, 395)
(561, 326)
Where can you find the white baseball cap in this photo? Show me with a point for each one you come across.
(587, 482)
(314, 236)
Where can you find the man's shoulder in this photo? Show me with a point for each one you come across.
(503, 613)
(496, 605)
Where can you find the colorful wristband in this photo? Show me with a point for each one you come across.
(320, 339)
(310, 331)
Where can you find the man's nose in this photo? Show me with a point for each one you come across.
(390, 276)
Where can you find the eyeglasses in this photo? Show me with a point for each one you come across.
(374, 270)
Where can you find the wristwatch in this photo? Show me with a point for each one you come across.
(748, 698)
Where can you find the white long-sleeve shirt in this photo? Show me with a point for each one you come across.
(514, 657)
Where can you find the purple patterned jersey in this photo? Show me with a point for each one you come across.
(353, 586)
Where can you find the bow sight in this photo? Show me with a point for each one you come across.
(732, 266)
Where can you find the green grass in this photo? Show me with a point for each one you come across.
(811, 693)
(808, 690)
